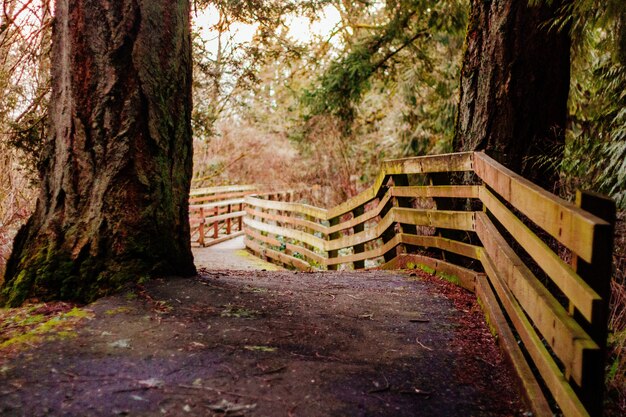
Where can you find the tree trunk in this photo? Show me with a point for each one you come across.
(113, 205)
(514, 87)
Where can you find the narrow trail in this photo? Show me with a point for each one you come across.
(249, 342)
(231, 255)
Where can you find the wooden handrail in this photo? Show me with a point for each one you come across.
(561, 314)
(213, 210)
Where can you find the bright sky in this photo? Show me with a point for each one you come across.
(300, 28)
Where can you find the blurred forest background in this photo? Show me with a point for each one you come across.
(315, 93)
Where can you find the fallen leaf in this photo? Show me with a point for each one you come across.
(137, 398)
(226, 406)
(152, 383)
(122, 344)
(261, 348)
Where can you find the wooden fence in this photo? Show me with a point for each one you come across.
(216, 213)
(503, 249)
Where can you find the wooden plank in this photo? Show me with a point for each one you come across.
(290, 233)
(416, 240)
(221, 239)
(573, 286)
(449, 191)
(216, 204)
(370, 254)
(225, 216)
(278, 256)
(332, 254)
(598, 275)
(496, 319)
(221, 189)
(449, 245)
(359, 248)
(201, 232)
(456, 274)
(401, 180)
(552, 376)
(362, 218)
(565, 336)
(570, 225)
(305, 209)
(216, 224)
(463, 220)
(452, 162)
(273, 195)
(240, 220)
(288, 220)
(417, 165)
(214, 197)
(271, 240)
(457, 220)
(361, 199)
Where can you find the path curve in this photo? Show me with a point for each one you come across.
(280, 344)
(230, 255)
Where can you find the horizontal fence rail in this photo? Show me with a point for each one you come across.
(505, 249)
(216, 213)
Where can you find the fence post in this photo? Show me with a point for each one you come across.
(201, 228)
(216, 224)
(360, 248)
(598, 275)
(240, 219)
(400, 180)
(228, 220)
(333, 253)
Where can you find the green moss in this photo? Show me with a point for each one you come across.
(260, 348)
(449, 277)
(426, 268)
(58, 327)
(492, 328)
(78, 313)
(143, 279)
(64, 334)
(36, 319)
(130, 296)
(21, 339)
(119, 310)
(16, 292)
(414, 279)
(239, 312)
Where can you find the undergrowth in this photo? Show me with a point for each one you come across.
(32, 324)
(616, 372)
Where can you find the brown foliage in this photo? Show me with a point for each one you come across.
(616, 381)
(16, 202)
(240, 154)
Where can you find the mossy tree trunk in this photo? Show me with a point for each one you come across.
(116, 173)
(514, 86)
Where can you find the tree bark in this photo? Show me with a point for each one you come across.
(514, 86)
(115, 178)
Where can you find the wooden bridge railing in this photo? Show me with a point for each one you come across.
(558, 310)
(216, 213)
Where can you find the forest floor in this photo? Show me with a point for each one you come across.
(267, 343)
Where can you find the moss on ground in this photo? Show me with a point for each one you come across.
(30, 325)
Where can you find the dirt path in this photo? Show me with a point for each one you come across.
(271, 344)
(230, 255)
